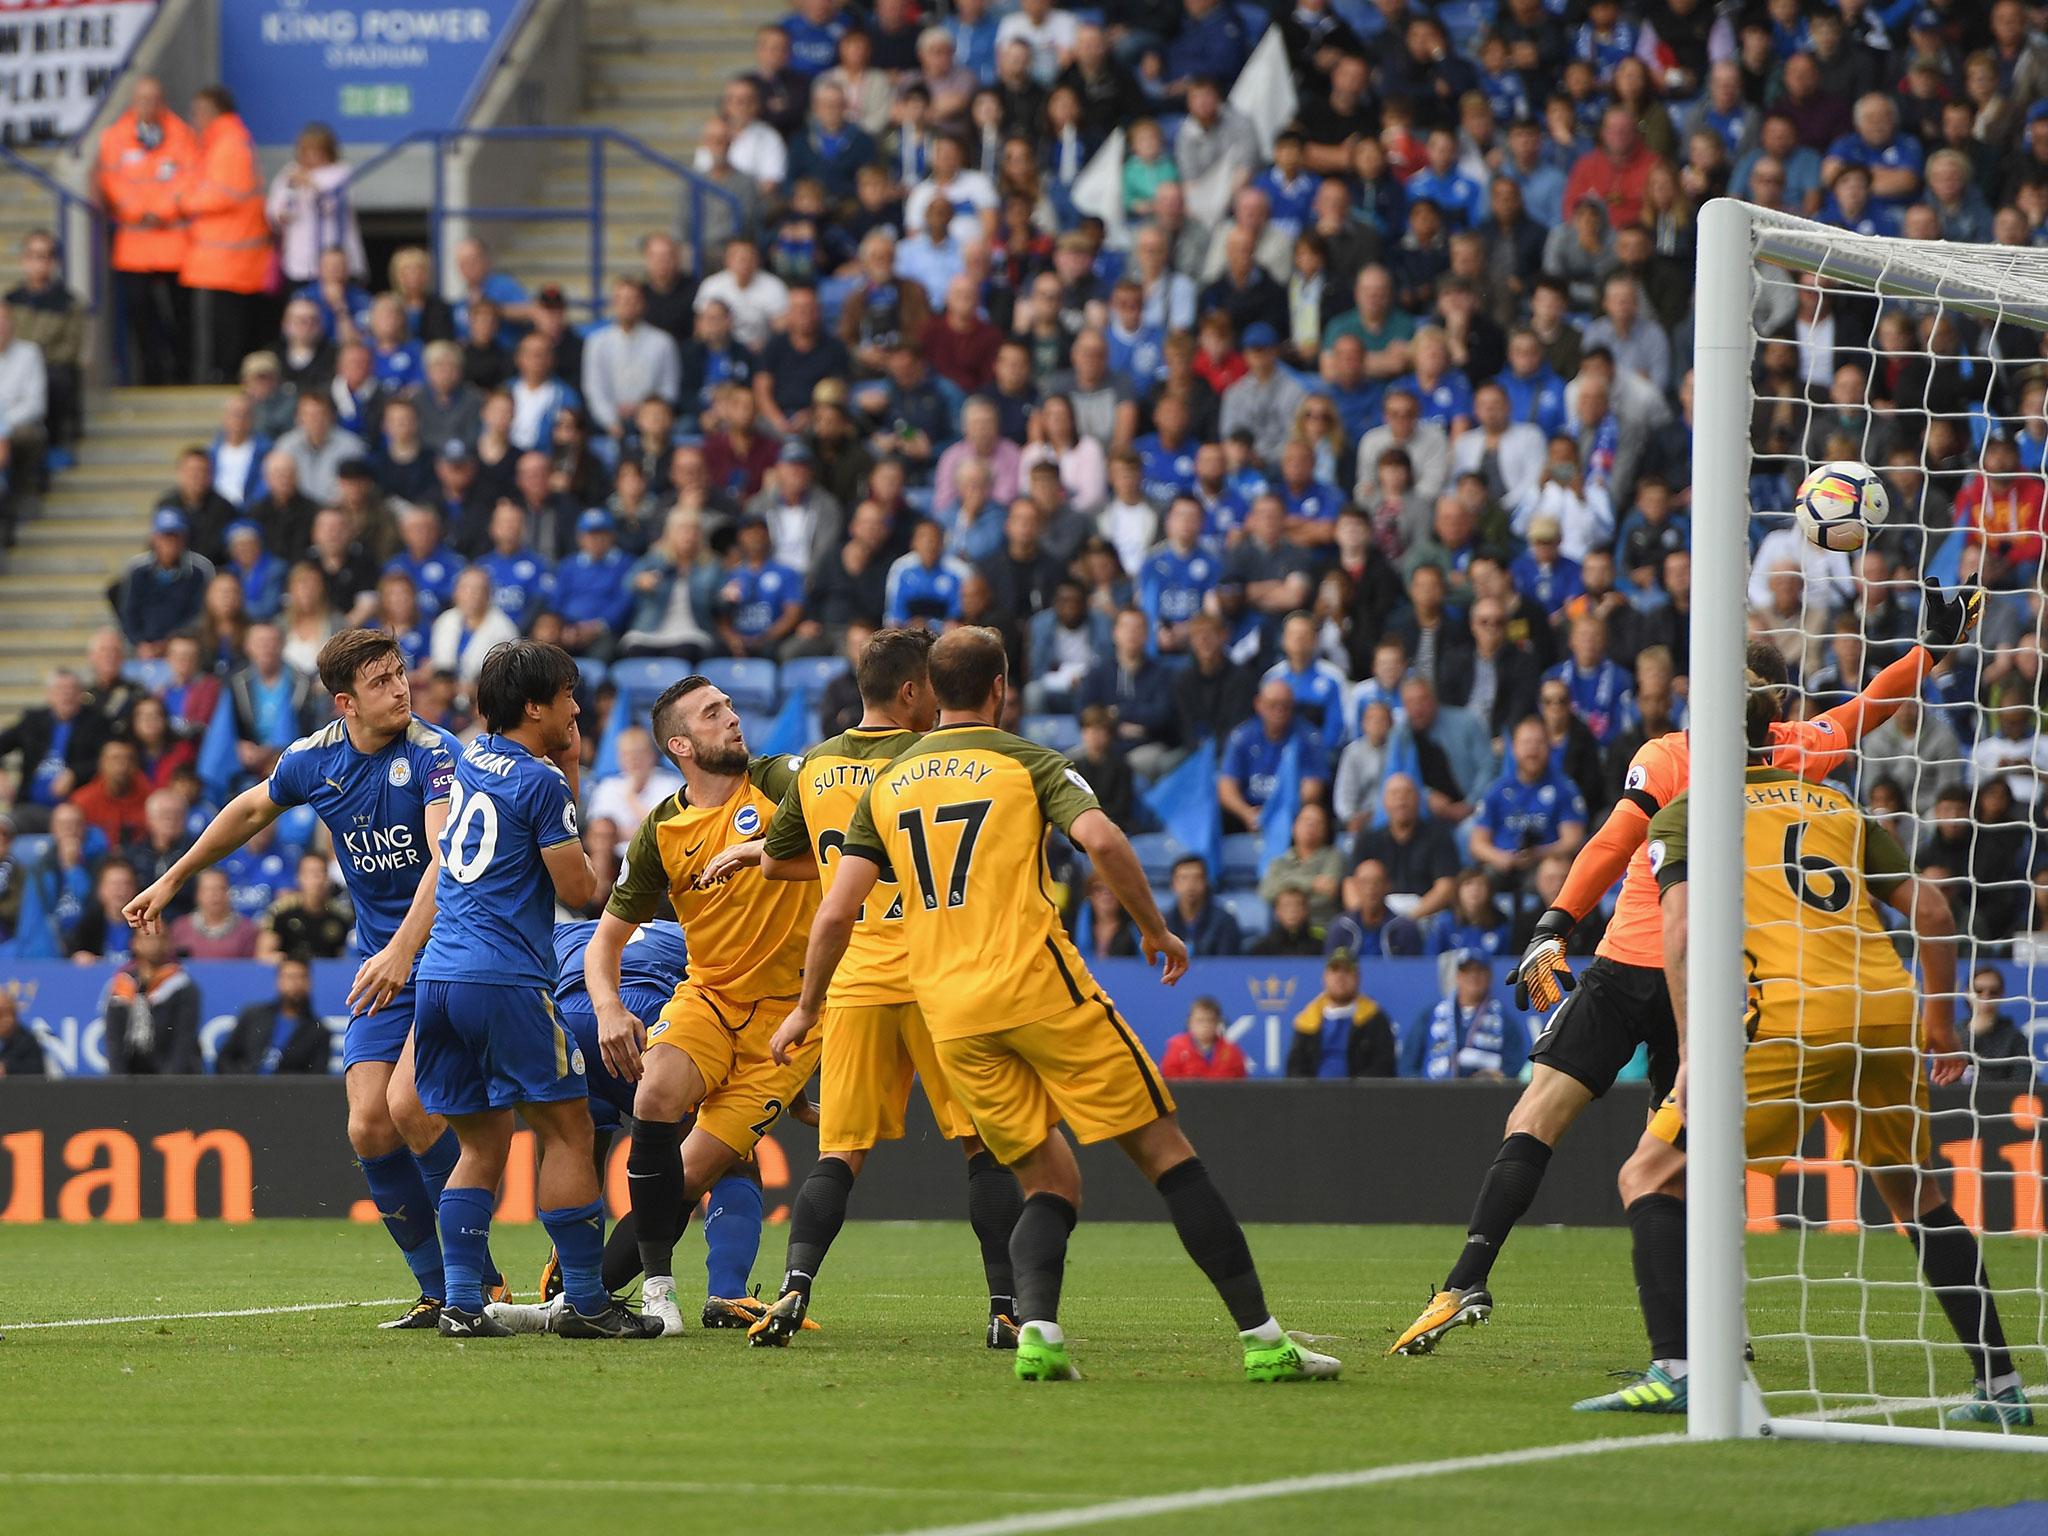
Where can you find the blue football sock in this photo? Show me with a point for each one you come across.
(408, 1212)
(732, 1234)
(578, 1233)
(465, 1244)
(436, 1163)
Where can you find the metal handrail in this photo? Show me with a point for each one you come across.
(598, 139)
(66, 202)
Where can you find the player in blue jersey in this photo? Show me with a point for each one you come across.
(489, 1038)
(378, 778)
(651, 963)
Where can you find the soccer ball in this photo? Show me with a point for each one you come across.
(1839, 505)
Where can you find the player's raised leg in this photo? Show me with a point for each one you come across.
(404, 1203)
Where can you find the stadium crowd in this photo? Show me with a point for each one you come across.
(1377, 487)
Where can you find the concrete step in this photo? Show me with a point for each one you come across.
(27, 561)
(29, 595)
(128, 533)
(52, 645)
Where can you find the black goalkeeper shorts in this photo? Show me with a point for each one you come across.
(1595, 1031)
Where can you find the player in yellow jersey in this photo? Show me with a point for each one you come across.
(1025, 1036)
(708, 1053)
(874, 1037)
(1832, 1031)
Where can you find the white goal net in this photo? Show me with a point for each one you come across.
(1823, 1121)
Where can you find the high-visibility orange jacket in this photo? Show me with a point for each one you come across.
(135, 182)
(223, 201)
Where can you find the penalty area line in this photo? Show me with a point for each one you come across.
(378, 1482)
(186, 1317)
(1289, 1487)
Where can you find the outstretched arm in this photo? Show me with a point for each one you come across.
(1881, 700)
(240, 819)
(1604, 859)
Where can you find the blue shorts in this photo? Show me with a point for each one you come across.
(610, 1097)
(379, 1036)
(482, 1045)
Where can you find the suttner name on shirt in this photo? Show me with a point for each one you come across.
(832, 775)
(377, 849)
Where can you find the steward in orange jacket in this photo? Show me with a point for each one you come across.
(227, 258)
(144, 157)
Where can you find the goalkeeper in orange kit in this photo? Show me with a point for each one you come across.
(1621, 1002)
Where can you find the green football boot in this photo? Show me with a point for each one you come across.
(1038, 1360)
(1652, 1392)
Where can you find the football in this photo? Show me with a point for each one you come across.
(1840, 504)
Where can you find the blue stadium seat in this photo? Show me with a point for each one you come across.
(749, 680)
(594, 673)
(811, 674)
(1253, 916)
(1060, 732)
(1157, 852)
(152, 673)
(295, 827)
(30, 847)
(1241, 862)
(640, 679)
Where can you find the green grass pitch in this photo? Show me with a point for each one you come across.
(895, 1418)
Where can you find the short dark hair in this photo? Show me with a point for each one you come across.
(342, 659)
(661, 718)
(219, 97)
(1767, 662)
(891, 658)
(965, 664)
(1190, 858)
(521, 672)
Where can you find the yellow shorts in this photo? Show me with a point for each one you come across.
(1870, 1090)
(1083, 1066)
(728, 1042)
(871, 1052)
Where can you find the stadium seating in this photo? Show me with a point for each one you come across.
(811, 674)
(750, 681)
(1062, 733)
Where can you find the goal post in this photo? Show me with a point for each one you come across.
(1850, 1343)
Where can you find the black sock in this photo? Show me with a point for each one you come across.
(622, 1254)
(1214, 1240)
(654, 1173)
(994, 1201)
(1954, 1267)
(815, 1217)
(1505, 1195)
(1656, 1225)
(601, 1152)
(1038, 1256)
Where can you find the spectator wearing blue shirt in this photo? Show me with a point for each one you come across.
(1894, 159)
(1535, 391)
(1469, 1033)
(1605, 38)
(1530, 811)
(1541, 181)
(1311, 505)
(592, 591)
(1600, 690)
(814, 29)
(974, 38)
(1289, 185)
(1368, 927)
(1137, 351)
(914, 414)
(426, 559)
(396, 358)
(521, 584)
(1137, 691)
(478, 280)
(1195, 917)
(830, 148)
(1253, 753)
(1175, 581)
(1442, 393)
(1166, 455)
(1474, 920)
(759, 602)
(344, 305)
(1319, 687)
(1210, 46)
(260, 572)
(1542, 574)
(1460, 199)
(924, 585)
(1850, 205)
(1341, 1034)
(1797, 187)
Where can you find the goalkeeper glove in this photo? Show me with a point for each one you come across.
(1541, 976)
(1947, 621)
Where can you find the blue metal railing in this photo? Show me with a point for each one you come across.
(596, 141)
(63, 201)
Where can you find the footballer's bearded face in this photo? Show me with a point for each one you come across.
(711, 728)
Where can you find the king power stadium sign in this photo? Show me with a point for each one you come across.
(375, 73)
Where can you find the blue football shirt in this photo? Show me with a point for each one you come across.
(654, 957)
(497, 901)
(374, 806)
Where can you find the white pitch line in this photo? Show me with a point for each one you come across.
(373, 1482)
(1291, 1487)
(186, 1317)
